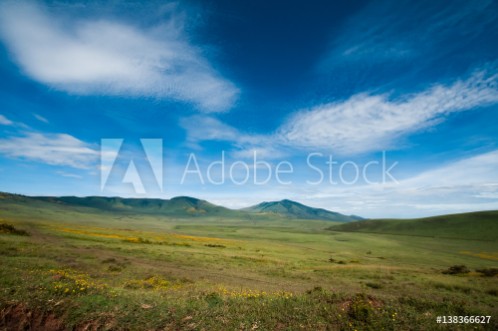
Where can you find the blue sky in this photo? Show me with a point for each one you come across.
(407, 87)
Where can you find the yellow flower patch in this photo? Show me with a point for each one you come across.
(68, 281)
(253, 294)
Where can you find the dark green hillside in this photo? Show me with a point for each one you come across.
(175, 206)
(292, 209)
(477, 225)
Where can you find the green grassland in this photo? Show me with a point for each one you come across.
(478, 225)
(85, 268)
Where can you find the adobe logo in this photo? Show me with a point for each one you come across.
(134, 168)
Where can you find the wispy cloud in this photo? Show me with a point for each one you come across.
(69, 175)
(207, 128)
(106, 57)
(40, 118)
(5, 121)
(53, 149)
(363, 123)
(397, 34)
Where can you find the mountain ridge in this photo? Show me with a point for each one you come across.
(294, 209)
(182, 206)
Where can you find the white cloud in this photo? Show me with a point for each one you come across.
(477, 171)
(5, 121)
(105, 57)
(205, 128)
(365, 123)
(53, 149)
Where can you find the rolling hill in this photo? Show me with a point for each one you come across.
(178, 206)
(182, 206)
(475, 226)
(292, 209)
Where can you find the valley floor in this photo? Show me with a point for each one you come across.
(86, 270)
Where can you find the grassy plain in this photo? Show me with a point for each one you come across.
(86, 269)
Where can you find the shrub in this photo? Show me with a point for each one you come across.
(110, 260)
(488, 272)
(360, 309)
(137, 240)
(374, 285)
(456, 270)
(115, 268)
(316, 289)
(10, 229)
(215, 245)
(182, 244)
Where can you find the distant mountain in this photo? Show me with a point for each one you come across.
(481, 225)
(293, 209)
(178, 206)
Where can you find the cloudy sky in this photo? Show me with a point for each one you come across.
(374, 108)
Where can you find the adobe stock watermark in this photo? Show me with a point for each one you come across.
(258, 171)
(144, 167)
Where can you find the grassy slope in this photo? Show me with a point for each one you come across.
(477, 225)
(154, 272)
